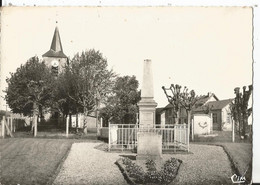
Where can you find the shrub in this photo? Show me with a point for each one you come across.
(152, 174)
(150, 165)
(170, 169)
(166, 175)
(136, 172)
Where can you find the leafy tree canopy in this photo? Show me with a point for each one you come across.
(122, 104)
(31, 83)
(85, 82)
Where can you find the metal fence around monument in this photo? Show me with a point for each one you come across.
(125, 136)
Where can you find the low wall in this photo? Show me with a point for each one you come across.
(91, 121)
(92, 130)
(104, 132)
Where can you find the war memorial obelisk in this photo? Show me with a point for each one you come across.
(147, 104)
(149, 143)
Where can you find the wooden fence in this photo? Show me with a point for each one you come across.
(9, 125)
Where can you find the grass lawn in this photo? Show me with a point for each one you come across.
(241, 156)
(31, 161)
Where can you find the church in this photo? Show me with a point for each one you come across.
(55, 58)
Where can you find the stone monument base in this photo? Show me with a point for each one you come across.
(149, 146)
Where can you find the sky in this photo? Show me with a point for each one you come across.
(208, 49)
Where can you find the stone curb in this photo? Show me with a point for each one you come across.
(57, 171)
(124, 172)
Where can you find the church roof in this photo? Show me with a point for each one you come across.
(56, 47)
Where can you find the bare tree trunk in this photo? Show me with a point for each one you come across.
(77, 122)
(64, 119)
(189, 118)
(3, 127)
(70, 121)
(67, 127)
(233, 130)
(239, 125)
(244, 124)
(192, 126)
(177, 117)
(35, 118)
(85, 128)
(32, 124)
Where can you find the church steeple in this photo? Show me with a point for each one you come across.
(55, 58)
(56, 46)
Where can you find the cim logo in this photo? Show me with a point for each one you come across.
(237, 179)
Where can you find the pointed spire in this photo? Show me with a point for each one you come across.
(56, 42)
(56, 47)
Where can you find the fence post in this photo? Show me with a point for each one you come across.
(3, 127)
(7, 125)
(233, 130)
(189, 119)
(211, 123)
(35, 126)
(35, 119)
(192, 129)
(11, 123)
(15, 122)
(188, 137)
(109, 136)
(67, 126)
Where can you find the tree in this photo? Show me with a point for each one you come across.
(174, 99)
(89, 81)
(181, 99)
(30, 88)
(122, 104)
(62, 102)
(239, 109)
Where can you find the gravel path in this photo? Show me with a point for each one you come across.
(86, 165)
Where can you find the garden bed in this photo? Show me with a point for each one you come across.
(149, 171)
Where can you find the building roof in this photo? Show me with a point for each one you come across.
(168, 106)
(214, 105)
(203, 99)
(159, 110)
(56, 47)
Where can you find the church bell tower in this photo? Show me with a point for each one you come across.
(55, 58)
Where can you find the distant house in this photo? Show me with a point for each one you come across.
(158, 115)
(166, 115)
(220, 111)
(208, 105)
(205, 99)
